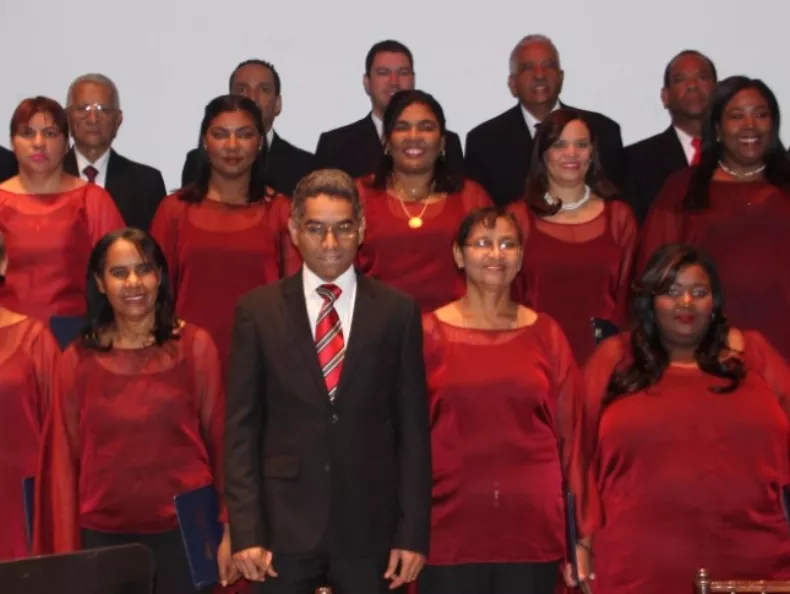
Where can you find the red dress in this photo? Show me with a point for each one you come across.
(28, 358)
(130, 429)
(577, 272)
(676, 477)
(746, 230)
(216, 252)
(49, 239)
(500, 408)
(419, 262)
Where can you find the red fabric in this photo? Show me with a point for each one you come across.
(216, 253)
(577, 272)
(28, 358)
(745, 231)
(676, 477)
(419, 262)
(49, 239)
(696, 144)
(501, 416)
(329, 339)
(129, 430)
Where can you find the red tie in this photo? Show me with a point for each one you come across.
(329, 339)
(91, 172)
(696, 142)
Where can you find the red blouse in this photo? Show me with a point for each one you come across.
(49, 239)
(419, 262)
(501, 415)
(746, 232)
(216, 252)
(130, 429)
(28, 357)
(578, 272)
(676, 477)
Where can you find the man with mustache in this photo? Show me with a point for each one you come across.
(498, 151)
(689, 79)
(357, 148)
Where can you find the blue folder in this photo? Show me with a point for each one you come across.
(28, 497)
(201, 533)
(65, 329)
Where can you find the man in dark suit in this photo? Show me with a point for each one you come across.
(94, 111)
(327, 446)
(8, 167)
(689, 79)
(498, 151)
(357, 148)
(284, 163)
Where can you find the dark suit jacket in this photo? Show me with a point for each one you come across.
(357, 149)
(8, 167)
(285, 166)
(649, 163)
(498, 152)
(289, 453)
(137, 189)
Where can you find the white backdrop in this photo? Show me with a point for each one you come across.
(170, 57)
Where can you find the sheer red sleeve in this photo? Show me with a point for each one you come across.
(583, 474)
(56, 528)
(289, 260)
(625, 231)
(566, 381)
(664, 223)
(103, 215)
(45, 353)
(211, 405)
(164, 230)
(520, 288)
(474, 196)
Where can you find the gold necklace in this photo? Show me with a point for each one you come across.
(414, 222)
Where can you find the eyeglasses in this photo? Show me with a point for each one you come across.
(319, 231)
(486, 244)
(101, 111)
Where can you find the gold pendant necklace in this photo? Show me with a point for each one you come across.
(415, 222)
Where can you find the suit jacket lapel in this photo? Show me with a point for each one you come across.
(372, 139)
(70, 163)
(114, 180)
(363, 326)
(674, 153)
(299, 331)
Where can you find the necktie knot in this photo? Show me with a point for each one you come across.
(330, 292)
(91, 172)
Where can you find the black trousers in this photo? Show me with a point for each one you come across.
(490, 578)
(171, 566)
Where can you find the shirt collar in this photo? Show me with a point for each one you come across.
(532, 121)
(311, 281)
(270, 138)
(100, 164)
(379, 123)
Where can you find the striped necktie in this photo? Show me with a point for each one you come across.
(329, 339)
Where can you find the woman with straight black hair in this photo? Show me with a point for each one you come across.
(414, 203)
(222, 234)
(736, 206)
(137, 418)
(579, 241)
(681, 444)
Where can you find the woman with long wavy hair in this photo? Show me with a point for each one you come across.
(681, 444)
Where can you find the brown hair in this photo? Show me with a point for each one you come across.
(33, 105)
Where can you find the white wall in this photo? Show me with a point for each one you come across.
(169, 57)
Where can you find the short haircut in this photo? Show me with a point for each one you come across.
(33, 105)
(256, 62)
(525, 41)
(388, 45)
(98, 79)
(688, 52)
(331, 182)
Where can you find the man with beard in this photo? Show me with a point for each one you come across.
(689, 79)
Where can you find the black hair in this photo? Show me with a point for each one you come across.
(486, 216)
(688, 52)
(256, 62)
(388, 45)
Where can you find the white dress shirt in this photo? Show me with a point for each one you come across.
(269, 138)
(686, 140)
(532, 121)
(379, 123)
(100, 164)
(344, 306)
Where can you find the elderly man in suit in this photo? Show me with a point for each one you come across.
(93, 107)
(327, 451)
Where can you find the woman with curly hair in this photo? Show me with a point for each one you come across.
(681, 444)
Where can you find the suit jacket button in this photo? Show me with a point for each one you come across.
(334, 418)
(328, 466)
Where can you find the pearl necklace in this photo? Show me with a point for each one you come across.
(737, 175)
(570, 206)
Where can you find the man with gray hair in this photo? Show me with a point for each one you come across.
(327, 439)
(498, 151)
(93, 108)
